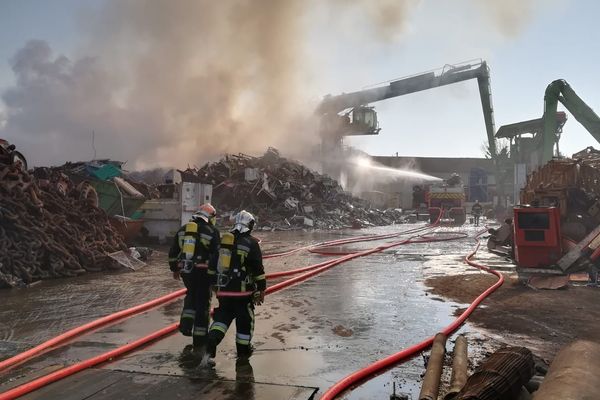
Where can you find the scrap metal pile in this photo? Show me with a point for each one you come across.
(50, 228)
(572, 185)
(285, 194)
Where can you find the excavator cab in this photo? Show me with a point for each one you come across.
(364, 121)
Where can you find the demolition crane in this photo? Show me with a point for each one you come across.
(349, 114)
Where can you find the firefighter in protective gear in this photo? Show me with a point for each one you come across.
(476, 211)
(195, 248)
(239, 281)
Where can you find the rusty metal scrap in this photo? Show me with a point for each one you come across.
(501, 375)
(571, 185)
(49, 227)
(284, 194)
(562, 174)
(589, 156)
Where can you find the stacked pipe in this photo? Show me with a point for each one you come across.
(460, 365)
(50, 228)
(435, 365)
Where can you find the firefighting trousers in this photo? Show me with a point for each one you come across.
(242, 310)
(196, 306)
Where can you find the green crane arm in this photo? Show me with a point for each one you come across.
(420, 82)
(560, 90)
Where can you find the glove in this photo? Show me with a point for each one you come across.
(258, 298)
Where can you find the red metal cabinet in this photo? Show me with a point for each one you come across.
(537, 236)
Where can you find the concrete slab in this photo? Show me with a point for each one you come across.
(100, 384)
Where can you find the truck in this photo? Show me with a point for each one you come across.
(446, 202)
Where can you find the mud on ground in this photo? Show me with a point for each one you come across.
(543, 319)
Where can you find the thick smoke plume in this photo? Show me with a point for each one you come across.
(171, 83)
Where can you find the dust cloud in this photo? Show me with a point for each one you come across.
(176, 83)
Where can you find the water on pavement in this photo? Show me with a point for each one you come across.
(312, 334)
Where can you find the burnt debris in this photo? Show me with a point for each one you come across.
(285, 194)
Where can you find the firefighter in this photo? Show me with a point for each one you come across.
(194, 249)
(239, 282)
(476, 211)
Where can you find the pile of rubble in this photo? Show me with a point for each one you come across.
(50, 227)
(589, 156)
(285, 194)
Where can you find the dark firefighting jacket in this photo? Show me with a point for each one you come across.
(245, 271)
(206, 244)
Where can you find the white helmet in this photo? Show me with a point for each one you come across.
(244, 222)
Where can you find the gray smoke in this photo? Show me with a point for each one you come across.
(170, 83)
(175, 82)
(509, 16)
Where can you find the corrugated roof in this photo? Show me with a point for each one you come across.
(530, 126)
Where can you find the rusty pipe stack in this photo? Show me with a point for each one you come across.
(431, 381)
(500, 377)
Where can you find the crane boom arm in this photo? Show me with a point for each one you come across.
(417, 83)
(560, 90)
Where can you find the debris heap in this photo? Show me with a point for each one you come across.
(571, 185)
(285, 194)
(50, 228)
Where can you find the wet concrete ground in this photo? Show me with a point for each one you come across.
(311, 334)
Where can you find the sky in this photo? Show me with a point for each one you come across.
(534, 44)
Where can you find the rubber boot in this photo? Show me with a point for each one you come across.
(244, 351)
(185, 327)
(211, 348)
(199, 342)
(186, 322)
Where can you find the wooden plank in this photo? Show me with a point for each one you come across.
(136, 386)
(20, 376)
(83, 385)
(573, 255)
(101, 384)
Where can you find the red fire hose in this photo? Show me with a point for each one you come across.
(129, 312)
(366, 238)
(67, 371)
(80, 366)
(403, 355)
(100, 322)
